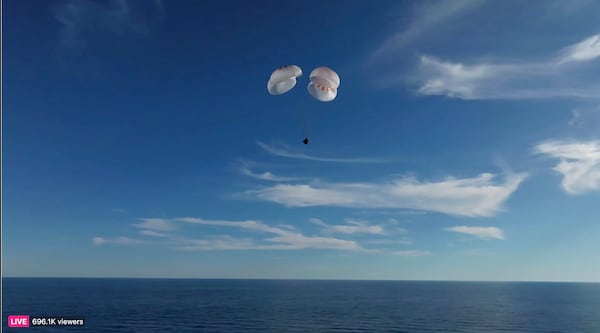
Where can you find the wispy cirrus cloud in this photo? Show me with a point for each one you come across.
(586, 118)
(214, 243)
(283, 239)
(586, 50)
(395, 212)
(262, 236)
(155, 224)
(268, 176)
(351, 227)
(401, 241)
(118, 240)
(411, 253)
(153, 233)
(82, 20)
(472, 197)
(576, 118)
(579, 164)
(566, 7)
(479, 232)
(283, 150)
(427, 16)
(568, 74)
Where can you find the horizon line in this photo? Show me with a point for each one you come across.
(298, 279)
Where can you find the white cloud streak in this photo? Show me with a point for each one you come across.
(586, 117)
(155, 224)
(119, 240)
(280, 237)
(79, 18)
(218, 243)
(479, 232)
(351, 227)
(427, 16)
(284, 239)
(152, 233)
(282, 150)
(402, 241)
(579, 164)
(576, 118)
(562, 8)
(554, 78)
(411, 253)
(472, 197)
(586, 50)
(268, 176)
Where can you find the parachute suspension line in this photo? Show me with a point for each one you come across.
(303, 121)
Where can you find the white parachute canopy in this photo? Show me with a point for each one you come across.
(283, 79)
(324, 83)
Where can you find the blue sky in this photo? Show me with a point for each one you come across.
(139, 140)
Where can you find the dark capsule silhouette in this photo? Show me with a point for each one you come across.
(305, 141)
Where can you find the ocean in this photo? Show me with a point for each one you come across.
(189, 305)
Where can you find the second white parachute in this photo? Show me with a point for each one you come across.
(324, 83)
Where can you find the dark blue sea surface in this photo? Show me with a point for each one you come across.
(174, 305)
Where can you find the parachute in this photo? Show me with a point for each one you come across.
(283, 79)
(323, 85)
